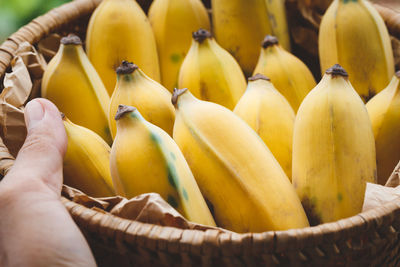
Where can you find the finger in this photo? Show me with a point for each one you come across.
(41, 156)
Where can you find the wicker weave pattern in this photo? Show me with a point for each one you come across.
(369, 239)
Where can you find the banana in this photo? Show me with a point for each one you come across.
(71, 82)
(384, 112)
(151, 98)
(277, 20)
(145, 159)
(289, 74)
(211, 73)
(239, 27)
(234, 169)
(353, 34)
(271, 116)
(333, 150)
(87, 161)
(119, 30)
(173, 22)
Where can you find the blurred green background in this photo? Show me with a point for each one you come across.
(16, 13)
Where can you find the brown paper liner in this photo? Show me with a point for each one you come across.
(22, 84)
(394, 179)
(147, 208)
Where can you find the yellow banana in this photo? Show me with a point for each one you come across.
(333, 150)
(71, 82)
(145, 159)
(234, 169)
(353, 34)
(384, 112)
(239, 27)
(173, 22)
(271, 116)
(119, 30)
(151, 98)
(289, 74)
(87, 161)
(277, 19)
(211, 73)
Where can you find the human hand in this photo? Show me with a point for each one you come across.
(35, 227)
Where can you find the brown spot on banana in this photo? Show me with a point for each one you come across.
(210, 206)
(309, 207)
(371, 94)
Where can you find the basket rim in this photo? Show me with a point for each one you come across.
(124, 231)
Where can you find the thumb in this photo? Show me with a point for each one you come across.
(41, 156)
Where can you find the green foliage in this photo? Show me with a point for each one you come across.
(16, 13)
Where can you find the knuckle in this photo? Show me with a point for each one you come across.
(39, 144)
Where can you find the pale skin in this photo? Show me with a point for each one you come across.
(35, 227)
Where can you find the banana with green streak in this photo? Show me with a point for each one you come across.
(144, 159)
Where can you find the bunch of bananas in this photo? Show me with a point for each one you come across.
(276, 152)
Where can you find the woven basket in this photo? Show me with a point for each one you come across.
(370, 238)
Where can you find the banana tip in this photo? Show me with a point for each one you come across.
(122, 110)
(337, 70)
(71, 39)
(258, 76)
(176, 94)
(269, 40)
(126, 67)
(201, 34)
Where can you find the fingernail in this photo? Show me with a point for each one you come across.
(34, 113)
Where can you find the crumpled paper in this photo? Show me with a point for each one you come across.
(22, 84)
(147, 208)
(377, 195)
(17, 87)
